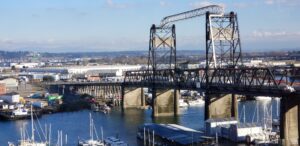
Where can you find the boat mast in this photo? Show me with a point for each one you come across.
(265, 126)
(271, 115)
(32, 128)
(91, 127)
(102, 133)
(244, 114)
(153, 143)
(49, 134)
(257, 115)
(144, 136)
(277, 110)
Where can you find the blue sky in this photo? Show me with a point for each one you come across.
(120, 25)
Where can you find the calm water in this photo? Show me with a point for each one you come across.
(76, 124)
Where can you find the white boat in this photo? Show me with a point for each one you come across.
(263, 98)
(182, 103)
(20, 112)
(31, 143)
(91, 141)
(103, 108)
(113, 141)
(196, 102)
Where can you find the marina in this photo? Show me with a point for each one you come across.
(122, 125)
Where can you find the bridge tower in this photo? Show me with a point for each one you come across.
(162, 55)
(162, 48)
(223, 50)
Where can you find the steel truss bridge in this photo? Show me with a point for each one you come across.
(223, 73)
(275, 82)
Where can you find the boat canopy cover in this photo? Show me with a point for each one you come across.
(179, 135)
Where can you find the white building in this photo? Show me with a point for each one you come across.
(10, 82)
(214, 125)
(117, 70)
(238, 132)
(24, 65)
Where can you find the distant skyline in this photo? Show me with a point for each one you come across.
(123, 25)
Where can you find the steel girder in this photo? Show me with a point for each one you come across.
(226, 80)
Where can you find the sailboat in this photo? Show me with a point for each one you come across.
(269, 136)
(91, 141)
(30, 141)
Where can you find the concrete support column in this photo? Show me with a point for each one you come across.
(220, 106)
(132, 97)
(289, 120)
(234, 106)
(165, 102)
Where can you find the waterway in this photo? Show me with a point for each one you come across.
(124, 124)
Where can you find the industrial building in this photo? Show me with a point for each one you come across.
(115, 70)
(9, 82)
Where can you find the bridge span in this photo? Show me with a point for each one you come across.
(221, 87)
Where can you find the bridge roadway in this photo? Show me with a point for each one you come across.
(276, 82)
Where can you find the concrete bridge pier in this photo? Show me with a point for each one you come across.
(165, 102)
(132, 98)
(220, 106)
(289, 120)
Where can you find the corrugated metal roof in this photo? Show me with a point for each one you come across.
(175, 133)
(220, 120)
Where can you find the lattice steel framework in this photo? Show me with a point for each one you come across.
(162, 49)
(213, 9)
(223, 45)
(247, 81)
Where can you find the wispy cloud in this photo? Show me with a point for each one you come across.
(117, 5)
(276, 34)
(163, 3)
(283, 2)
(199, 4)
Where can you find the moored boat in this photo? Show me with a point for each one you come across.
(182, 103)
(91, 141)
(100, 107)
(113, 141)
(196, 102)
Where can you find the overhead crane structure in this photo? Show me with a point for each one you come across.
(213, 9)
